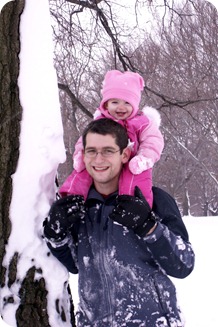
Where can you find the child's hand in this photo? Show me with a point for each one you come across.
(139, 163)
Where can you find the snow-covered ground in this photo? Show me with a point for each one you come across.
(198, 292)
(41, 151)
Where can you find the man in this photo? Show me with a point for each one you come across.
(122, 250)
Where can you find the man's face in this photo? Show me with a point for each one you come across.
(104, 170)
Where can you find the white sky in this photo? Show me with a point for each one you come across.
(41, 150)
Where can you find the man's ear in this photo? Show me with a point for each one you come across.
(126, 154)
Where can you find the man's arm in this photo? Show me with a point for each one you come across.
(64, 255)
(169, 242)
(166, 208)
(58, 228)
(162, 229)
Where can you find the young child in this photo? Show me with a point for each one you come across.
(121, 95)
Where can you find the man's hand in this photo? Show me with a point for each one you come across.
(134, 212)
(62, 215)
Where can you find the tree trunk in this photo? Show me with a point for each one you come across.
(31, 307)
(11, 112)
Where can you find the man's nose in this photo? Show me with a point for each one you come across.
(99, 157)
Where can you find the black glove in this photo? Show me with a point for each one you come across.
(134, 212)
(62, 215)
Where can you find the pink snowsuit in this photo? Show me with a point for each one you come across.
(146, 142)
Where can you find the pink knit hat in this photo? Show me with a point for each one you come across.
(126, 86)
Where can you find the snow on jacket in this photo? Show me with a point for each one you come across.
(123, 278)
(146, 140)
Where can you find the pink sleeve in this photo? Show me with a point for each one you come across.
(150, 147)
(151, 142)
(78, 163)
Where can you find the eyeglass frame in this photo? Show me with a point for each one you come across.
(102, 152)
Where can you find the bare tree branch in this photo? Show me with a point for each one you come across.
(74, 99)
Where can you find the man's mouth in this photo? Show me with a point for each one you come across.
(100, 168)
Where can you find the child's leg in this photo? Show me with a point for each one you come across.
(76, 183)
(128, 181)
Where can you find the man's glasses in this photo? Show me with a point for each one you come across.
(106, 153)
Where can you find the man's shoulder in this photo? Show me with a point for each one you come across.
(160, 193)
(164, 202)
(165, 206)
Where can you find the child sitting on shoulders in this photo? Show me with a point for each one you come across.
(121, 95)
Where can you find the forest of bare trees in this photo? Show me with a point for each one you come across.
(173, 45)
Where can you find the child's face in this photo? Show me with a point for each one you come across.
(119, 109)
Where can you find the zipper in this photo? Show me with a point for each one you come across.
(103, 265)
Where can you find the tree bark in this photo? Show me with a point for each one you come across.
(11, 111)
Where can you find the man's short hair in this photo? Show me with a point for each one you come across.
(105, 126)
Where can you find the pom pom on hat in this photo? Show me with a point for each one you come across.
(126, 86)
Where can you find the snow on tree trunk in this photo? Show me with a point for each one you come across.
(34, 285)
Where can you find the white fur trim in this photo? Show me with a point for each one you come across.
(97, 113)
(152, 114)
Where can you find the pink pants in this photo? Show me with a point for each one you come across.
(79, 183)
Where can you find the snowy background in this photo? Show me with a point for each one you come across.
(41, 150)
